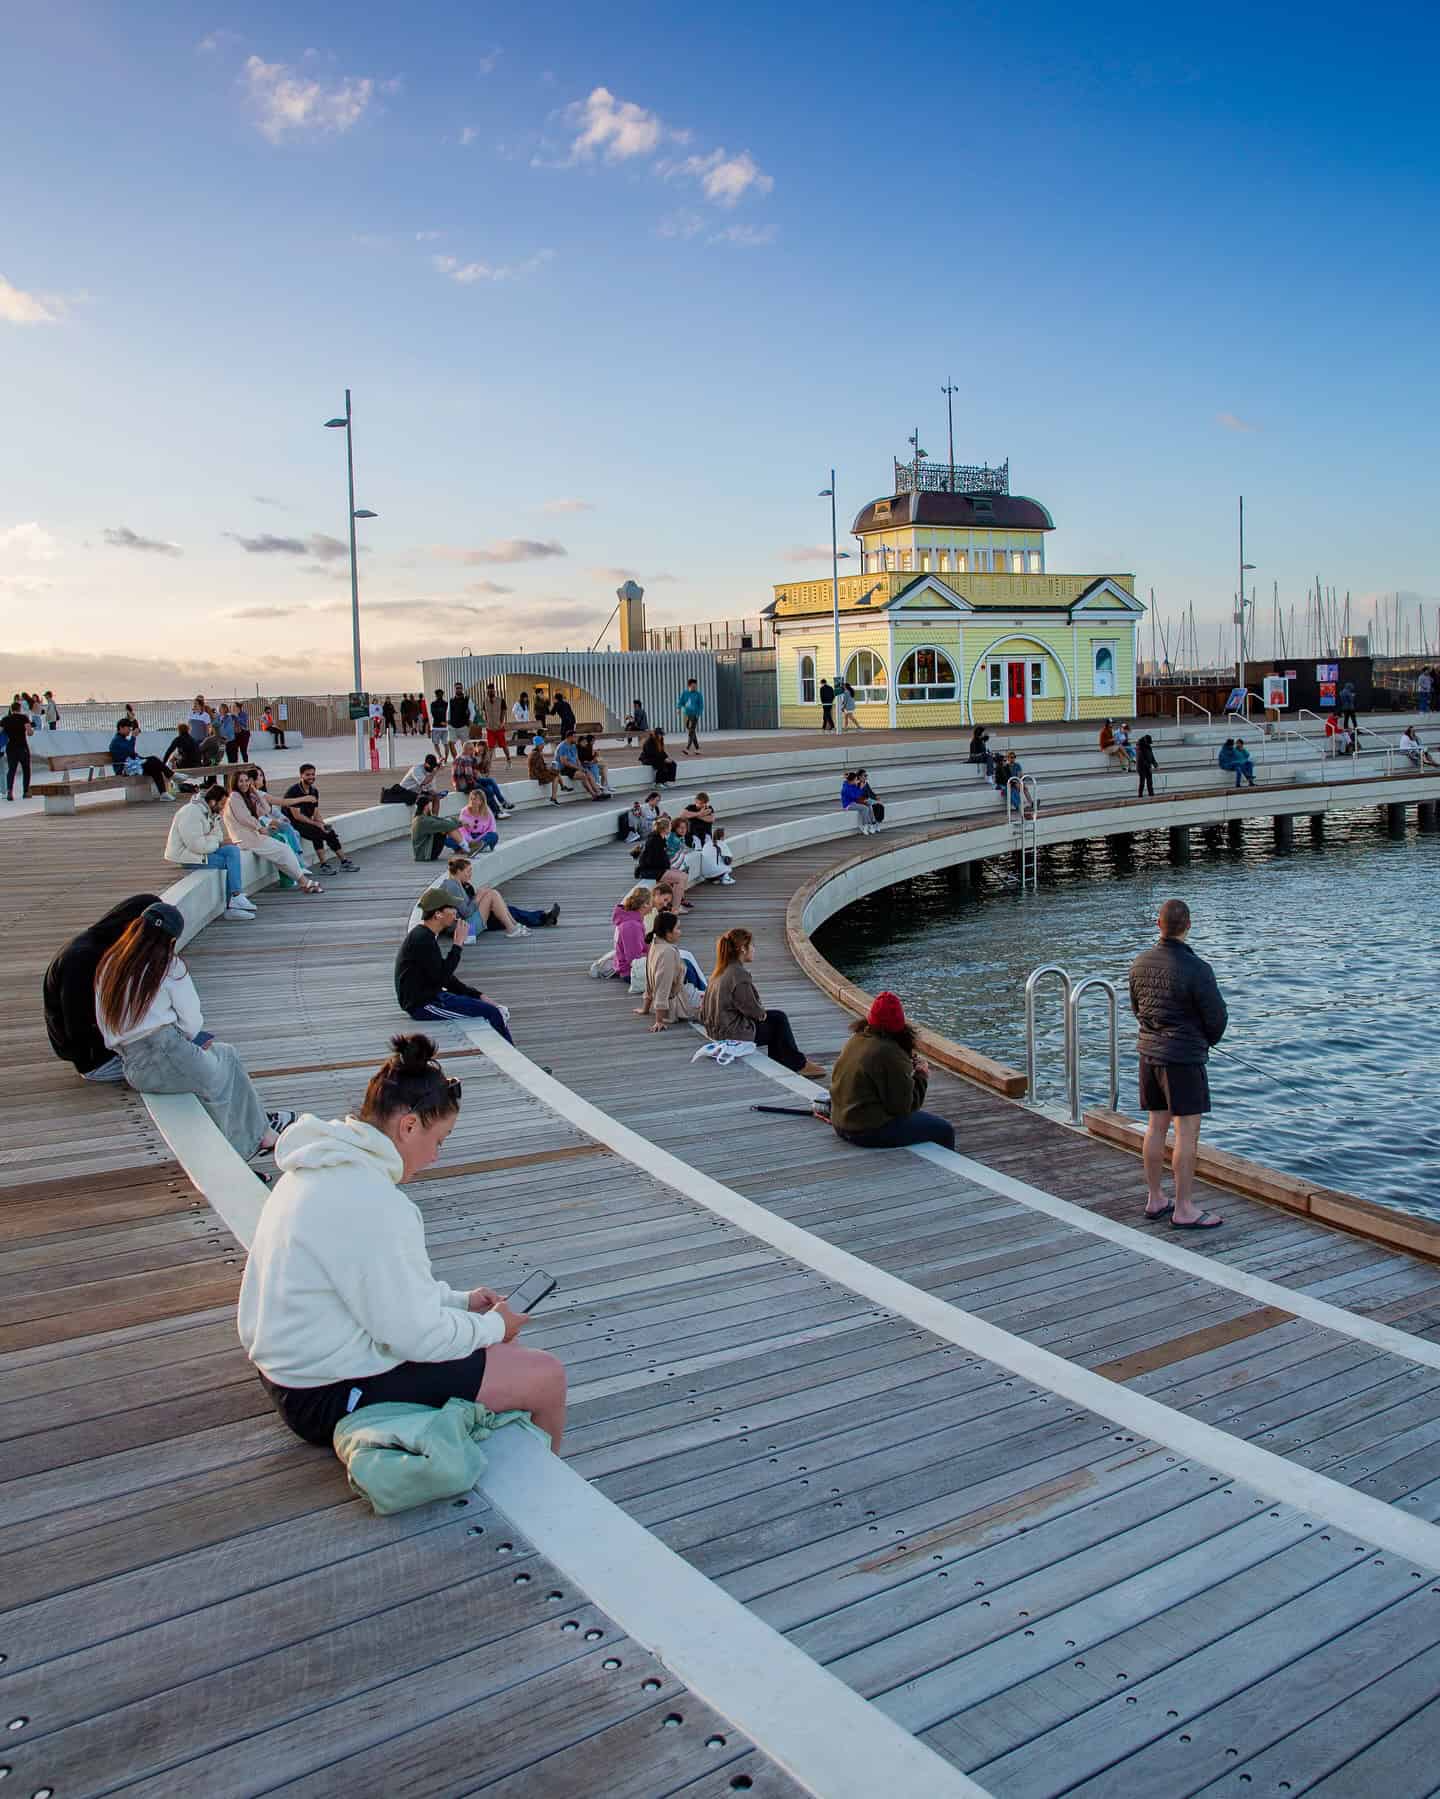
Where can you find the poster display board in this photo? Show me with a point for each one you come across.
(1327, 680)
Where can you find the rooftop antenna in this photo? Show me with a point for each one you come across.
(949, 390)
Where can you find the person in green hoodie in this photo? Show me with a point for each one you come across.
(878, 1084)
(340, 1307)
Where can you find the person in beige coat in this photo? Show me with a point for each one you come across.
(732, 1013)
(248, 826)
(666, 994)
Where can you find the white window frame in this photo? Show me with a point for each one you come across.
(806, 685)
(995, 680)
(927, 692)
(1035, 689)
(877, 693)
(1112, 645)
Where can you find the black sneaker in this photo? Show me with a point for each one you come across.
(351, 868)
(327, 868)
(553, 915)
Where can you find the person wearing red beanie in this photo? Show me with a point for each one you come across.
(878, 1084)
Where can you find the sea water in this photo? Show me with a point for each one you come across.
(1326, 955)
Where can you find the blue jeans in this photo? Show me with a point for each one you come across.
(1242, 775)
(525, 915)
(228, 858)
(919, 1127)
(491, 789)
(460, 1005)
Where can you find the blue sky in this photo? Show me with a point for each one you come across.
(614, 287)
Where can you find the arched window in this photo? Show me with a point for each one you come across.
(807, 679)
(1104, 670)
(926, 675)
(866, 674)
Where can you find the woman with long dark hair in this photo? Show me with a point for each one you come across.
(340, 1306)
(878, 1084)
(252, 824)
(656, 756)
(149, 1015)
(731, 1010)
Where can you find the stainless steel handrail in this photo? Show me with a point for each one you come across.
(1023, 788)
(1185, 700)
(1031, 987)
(1072, 1040)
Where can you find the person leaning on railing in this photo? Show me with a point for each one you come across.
(340, 1306)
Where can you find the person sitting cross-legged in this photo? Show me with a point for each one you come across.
(878, 1084)
(474, 825)
(340, 1307)
(426, 983)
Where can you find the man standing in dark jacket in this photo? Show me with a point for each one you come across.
(1177, 1001)
(426, 983)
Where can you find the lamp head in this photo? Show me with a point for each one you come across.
(333, 424)
(825, 493)
(362, 513)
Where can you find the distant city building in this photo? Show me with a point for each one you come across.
(954, 618)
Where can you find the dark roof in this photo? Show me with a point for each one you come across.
(1008, 511)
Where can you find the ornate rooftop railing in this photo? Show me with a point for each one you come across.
(951, 477)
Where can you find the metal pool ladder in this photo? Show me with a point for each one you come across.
(1021, 794)
(1073, 992)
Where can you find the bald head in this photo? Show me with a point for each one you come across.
(1174, 919)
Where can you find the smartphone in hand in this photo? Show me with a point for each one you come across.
(536, 1286)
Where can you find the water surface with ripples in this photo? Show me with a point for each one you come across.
(1326, 956)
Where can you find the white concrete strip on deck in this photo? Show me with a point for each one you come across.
(1273, 1475)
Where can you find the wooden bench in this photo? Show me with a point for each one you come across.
(59, 796)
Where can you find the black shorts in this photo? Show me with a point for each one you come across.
(1179, 1087)
(313, 1412)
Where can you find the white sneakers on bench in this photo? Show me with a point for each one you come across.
(240, 910)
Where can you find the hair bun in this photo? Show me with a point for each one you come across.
(412, 1053)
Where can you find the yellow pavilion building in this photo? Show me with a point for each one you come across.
(954, 618)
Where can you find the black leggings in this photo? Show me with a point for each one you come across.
(158, 773)
(774, 1036)
(1147, 783)
(17, 760)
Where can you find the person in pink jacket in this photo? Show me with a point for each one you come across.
(475, 826)
(628, 919)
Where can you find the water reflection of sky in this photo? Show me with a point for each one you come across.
(1327, 958)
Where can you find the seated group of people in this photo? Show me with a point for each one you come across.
(679, 851)
(1234, 758)
(1116, 744)
(576, 760)
(859, 797)
(212, 827)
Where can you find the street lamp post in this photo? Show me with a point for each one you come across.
(829, 493)
(347, 425)
(1245, 569)
(950, 390)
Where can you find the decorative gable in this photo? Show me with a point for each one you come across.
(1107, 595)
(928, 595)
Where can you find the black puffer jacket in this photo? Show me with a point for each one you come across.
(69, 986)
(1177, 1000)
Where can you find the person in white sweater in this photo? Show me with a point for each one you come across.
(340, 1307)
(197, 840)
(149, 1015)
(249, 827)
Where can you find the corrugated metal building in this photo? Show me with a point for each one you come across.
(598, 683)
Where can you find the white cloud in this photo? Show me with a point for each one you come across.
(427, 237)
(29, 542)
(724, 179)
(617, 128)
(681, 224)
(568, 506)
(488, 63)
(744, 237)
(217, 40)
(19, 308)
(286, 102)
(121, 537)
(508, 549)
(630, 574)
(1231, 423)
(468, 135)
(467, 273)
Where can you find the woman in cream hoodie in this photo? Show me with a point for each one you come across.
(340, 1307)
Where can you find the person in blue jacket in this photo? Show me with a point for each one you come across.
(691, 707)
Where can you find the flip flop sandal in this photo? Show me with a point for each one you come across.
(1164, 1212)
(1207, 1221)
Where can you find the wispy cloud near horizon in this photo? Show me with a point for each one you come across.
(121, 537)
(507, 549)
(1232, 423)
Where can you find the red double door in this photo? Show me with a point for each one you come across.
(1015, 694)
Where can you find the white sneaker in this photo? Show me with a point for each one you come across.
(243, 902)
(519, 930)
(234, 914)
(727, 880)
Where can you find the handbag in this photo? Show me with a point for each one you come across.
(878, 808)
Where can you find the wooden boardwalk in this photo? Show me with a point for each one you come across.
(1054, 1603)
